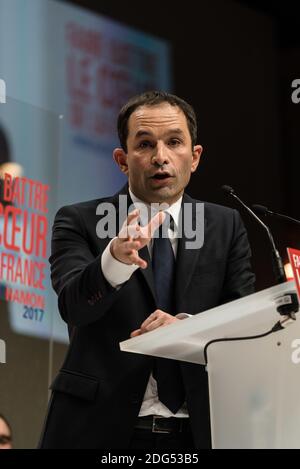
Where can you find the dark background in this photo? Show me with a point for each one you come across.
(234, 61)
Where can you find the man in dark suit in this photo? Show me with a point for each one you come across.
(112, 288)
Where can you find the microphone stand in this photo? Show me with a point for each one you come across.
(265, 211)
(287, 305)
(276, 259)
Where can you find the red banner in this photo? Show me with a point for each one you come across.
(294, 256)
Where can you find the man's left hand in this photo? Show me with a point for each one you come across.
(157, 319)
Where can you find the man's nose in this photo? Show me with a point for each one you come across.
(160, 156)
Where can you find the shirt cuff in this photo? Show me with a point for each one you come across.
(115, 272)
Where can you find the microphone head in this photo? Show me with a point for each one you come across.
(229, 190)
(260, 209)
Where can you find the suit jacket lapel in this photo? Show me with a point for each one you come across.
(186, 259)
(147, 273)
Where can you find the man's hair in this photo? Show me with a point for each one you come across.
(153, 98)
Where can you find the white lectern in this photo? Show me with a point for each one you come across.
(254, 385)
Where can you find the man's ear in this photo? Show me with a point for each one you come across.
(197, 152)
(120, 158)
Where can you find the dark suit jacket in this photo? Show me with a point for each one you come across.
(98, 392)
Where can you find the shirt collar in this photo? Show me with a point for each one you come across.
(173, 210)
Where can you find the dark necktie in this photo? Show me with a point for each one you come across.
(166, 372)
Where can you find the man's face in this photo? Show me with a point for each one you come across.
(159, 159)
(5, 436)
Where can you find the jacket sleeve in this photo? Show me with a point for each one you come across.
(84, 295)
(239, 278)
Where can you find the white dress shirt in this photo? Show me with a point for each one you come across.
(116, 273)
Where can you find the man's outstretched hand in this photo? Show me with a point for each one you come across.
(133, 237)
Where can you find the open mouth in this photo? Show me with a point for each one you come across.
(161, 176)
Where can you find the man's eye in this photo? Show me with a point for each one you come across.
(145, 144)
(174, 142)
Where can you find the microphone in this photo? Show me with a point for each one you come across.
(265, 211)
(277, 261)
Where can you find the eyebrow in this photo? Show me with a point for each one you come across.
(147, 133)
